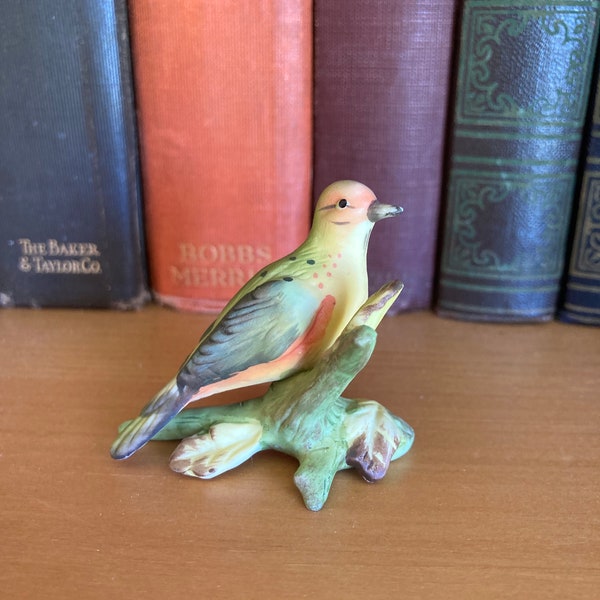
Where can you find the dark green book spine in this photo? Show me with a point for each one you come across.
(523, 82)
(70, 213)
(581, 302)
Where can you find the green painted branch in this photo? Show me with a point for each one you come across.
(304, 416)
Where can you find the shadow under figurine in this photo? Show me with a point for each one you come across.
(306, 323)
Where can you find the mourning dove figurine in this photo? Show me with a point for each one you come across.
(283, 319)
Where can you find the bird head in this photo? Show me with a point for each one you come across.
(348, 204)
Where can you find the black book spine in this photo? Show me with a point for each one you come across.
(581, 302)
(71, 230)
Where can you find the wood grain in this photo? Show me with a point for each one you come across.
(499, 497)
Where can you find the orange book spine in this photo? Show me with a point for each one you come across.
(223, 93)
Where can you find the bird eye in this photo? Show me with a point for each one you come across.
(342, 203)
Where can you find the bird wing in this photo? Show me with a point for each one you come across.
(257, 329)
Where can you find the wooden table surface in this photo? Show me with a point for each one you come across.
(498, 498)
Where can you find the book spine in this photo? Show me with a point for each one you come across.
(224, 103)
(581, 302)
(382, 77)
(521, 98)
(71, 230)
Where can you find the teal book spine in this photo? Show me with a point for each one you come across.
(522, 88)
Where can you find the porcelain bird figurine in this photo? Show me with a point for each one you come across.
(283, 319)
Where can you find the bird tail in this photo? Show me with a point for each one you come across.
(154, 416)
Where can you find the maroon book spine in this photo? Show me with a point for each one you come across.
(382, 78)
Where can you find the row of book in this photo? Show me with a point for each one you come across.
(183, 143)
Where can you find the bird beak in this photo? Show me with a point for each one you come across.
(378, 211)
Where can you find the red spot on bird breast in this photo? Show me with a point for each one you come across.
(319, 324)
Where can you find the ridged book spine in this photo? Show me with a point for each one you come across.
(225, 106)
(382, 78)
(71, 232)
(581, 302)
(523, 83)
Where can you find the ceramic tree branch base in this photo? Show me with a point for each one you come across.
(304, 416)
